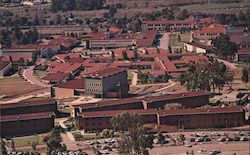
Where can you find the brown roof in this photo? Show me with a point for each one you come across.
(148, 99)
(28, 102)
(233, 109)
(72, 84)
(115, 112)
(26, 116)
(106, 72)
(55, 76)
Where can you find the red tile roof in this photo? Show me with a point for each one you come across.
(55, 76)
(28, 102)
(72, 84)
(197, 111)
(65, 68)
(169, 22)
(26, 116)
(148, 99)
(232, 109)
(212, 29)
(106, 72)
(116, 112)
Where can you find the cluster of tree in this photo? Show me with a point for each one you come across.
(245, 75)
(107, 133)
(145, 78)
(133, 139)
(29, 37)
(5, 39)
(223, 47)
(214, 76)
(241, 19)
(70, 5)
(53, 141)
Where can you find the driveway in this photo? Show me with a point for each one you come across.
(165, 40)
(28, 75)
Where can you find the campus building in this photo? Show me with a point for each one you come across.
(180, 119)
(27, 117)
(172, 25)
(108, 82)
(188, 100)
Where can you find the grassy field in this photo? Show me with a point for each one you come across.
(16, 86)
(185, 37)
(212, 6)
(27, 141)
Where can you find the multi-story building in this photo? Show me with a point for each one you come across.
(27, 117)
(172, 25)
(109, 82)
(181, 118)
(206, 34)
(188, 100)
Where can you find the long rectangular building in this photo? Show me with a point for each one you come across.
(188, 100)
(182, 118)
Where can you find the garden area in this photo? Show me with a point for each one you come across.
(178, 39)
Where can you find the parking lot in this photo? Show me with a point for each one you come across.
(199, 143)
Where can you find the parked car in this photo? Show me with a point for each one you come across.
(206, 139)
(200, 139)
(243, 139)
(192, 139)
(222, 139)
(214, 152)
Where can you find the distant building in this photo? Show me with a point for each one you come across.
(32, 2)
(206, 34)
(109, 82)
(172, 25)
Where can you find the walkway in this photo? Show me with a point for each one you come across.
(28, 75)
(165, 40)
(230, 65)
(67, 137)
(134, 79)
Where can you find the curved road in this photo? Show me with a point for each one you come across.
(28, 75)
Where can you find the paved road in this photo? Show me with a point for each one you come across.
(230, 65)
(28, 75)
(165, 40)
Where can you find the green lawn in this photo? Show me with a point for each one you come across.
(40, 74)
(185, 37)
(212, 6)
(27, 141)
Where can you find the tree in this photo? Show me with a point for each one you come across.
(133, 139)
(33, 145)
(179, 38)
(135, 55)
(3, 148)
(53, 140)
(181, 138)
(137, 25)
(113, 55)
(105, 132)
(12, 145)
(224, 47)
(67, 58)
(183, 15)
(124, 55)
(245, 76)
